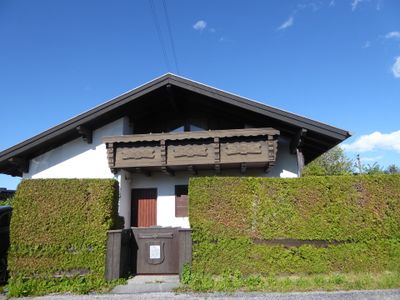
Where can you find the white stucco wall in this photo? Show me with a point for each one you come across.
(78, 159)
(124, 178)
(165, 186)
(286, 163)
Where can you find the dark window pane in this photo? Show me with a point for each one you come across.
(181, 201)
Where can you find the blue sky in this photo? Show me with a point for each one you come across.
(336, 61)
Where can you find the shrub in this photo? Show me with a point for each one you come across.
(235, 219)
(58, 234)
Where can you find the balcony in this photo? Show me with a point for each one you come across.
(193, 151)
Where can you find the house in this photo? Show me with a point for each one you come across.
(153, 138)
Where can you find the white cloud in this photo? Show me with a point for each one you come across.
(396, 67)
(367, 44)
(224, 39)
(393, 35)
(354, 4)
(332, 3)
(200, 25)
(375, 141)
(314, 6)
(378, 5)
(286, 24)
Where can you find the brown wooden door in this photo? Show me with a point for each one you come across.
(144, 207)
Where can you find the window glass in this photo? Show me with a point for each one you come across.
(197, 124)
(195, 128)
(179, 129)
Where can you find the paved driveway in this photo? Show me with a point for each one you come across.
(348, 295)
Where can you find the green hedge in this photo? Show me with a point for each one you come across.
(234, 218)
(58, 234)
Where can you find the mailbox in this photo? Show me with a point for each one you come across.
(156, 250)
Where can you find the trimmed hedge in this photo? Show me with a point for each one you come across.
(58, 234)
(234, 218)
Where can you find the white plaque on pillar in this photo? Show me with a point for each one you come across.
(155, 252)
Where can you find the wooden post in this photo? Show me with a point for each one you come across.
(185, 248)
(118, 262)
(300, 161)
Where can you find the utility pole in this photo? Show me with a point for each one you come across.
(359, 163)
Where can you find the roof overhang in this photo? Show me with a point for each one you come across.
(14, 160)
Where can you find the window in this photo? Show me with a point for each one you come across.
(181, 201)
(179, 129)
(197, 125)
(187, 125)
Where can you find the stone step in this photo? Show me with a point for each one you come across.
(148, 284)
(154, 279)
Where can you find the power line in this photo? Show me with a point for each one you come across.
(171, 39)
(159, 33)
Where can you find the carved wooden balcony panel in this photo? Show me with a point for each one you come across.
(129, 155)
(216, 149)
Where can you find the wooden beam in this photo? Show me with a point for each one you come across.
(243, 168)
(142, 171)
(171, 97)
(217, 155)
(192, 170)
(86, 133)
(316, 147)
(110, 155)
(298, 140)
(268, 167)
(131, 121)
(22, 164)
(167, 171)
(319, 142)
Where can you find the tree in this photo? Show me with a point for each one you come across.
(333, 162)
(373, 169)
(392, 169)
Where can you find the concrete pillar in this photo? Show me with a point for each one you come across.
(124, 210)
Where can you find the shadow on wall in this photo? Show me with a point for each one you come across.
(286, 163)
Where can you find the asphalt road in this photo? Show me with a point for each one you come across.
(345, 295)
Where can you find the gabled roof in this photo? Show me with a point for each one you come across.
(98, 116)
